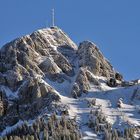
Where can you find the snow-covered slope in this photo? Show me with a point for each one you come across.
(106, 101)
(45, 72)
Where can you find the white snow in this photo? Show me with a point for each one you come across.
(106, 99)
(54, 37)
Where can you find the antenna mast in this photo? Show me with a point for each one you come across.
(53, 18)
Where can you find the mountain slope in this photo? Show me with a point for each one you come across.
(46, 73)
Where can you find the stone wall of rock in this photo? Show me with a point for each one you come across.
(82, 82)
(29, 62)
(24, 64)
(36, 54)
(92, 63)
(91, 58)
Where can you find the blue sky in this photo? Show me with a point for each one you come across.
(114, 25)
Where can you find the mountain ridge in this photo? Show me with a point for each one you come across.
(46, 72)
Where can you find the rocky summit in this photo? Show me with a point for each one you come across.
(52, 89)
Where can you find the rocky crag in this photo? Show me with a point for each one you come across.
(35, 68)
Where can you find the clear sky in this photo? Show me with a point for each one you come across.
(114, 25)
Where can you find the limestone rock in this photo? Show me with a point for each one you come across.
(12, 79)
(81, 84)
(34, 89)
(49, 67)
(64, 64)
(37, 54)
(83, 81)
(91, 58)
(35, 67)
(91, 78)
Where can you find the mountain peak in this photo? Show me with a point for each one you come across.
(52, 36)
(56, 37)
(45, 72)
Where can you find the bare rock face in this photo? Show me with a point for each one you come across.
(91, 58)
(82, 83)
(50, 68)
(34, 89)
(24, 64)
(91, 78)
(50, 53)
(64, 64)
(36, 54)
(91, 64)
(12, 79)
(33, 65)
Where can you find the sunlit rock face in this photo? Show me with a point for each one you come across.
(35, 68)
(91, 58)
(43, 53)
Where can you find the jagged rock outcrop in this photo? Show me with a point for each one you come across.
(91, 78)
(50, 53)
(81, 84)
(50, 68)
(34, 89)
(91, 58)
(83, 81)
(64, 64)
(92, 63)
(38, 75)
(25, 63)
(30, 66)
(36, 54)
